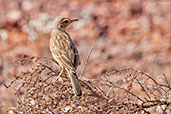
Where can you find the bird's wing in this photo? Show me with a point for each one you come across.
(74, 55)
(65, 51)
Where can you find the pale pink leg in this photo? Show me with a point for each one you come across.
(61, 72)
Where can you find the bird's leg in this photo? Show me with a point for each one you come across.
(60, 74)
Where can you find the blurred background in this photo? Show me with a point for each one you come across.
(134, 33)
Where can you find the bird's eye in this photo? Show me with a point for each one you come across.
(66, 22)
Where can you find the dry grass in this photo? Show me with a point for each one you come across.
(135, 92)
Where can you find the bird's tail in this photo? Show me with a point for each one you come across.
(75, 83)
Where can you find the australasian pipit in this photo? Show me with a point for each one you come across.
(65, 52)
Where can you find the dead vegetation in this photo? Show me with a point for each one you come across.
(135, 92)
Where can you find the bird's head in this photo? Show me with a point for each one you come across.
(63, 22)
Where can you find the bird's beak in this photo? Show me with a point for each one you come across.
(73, 20)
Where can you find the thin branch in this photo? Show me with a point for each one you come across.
(87, 59)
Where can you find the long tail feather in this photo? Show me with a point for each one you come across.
(75, 83)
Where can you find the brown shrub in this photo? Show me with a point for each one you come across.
(134, 92)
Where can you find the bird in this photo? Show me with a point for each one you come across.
(64, 51)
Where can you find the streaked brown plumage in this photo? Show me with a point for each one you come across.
(65, 52)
